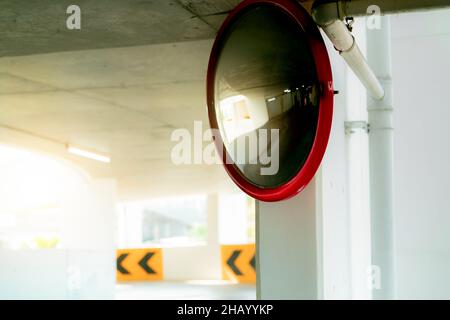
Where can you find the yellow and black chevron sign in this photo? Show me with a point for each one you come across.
(239, 263)
(139, 264)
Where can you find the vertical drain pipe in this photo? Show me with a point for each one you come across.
(381, 148)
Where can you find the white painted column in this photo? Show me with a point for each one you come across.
(381, 164)
(213, 220)
(201, 262)
(287, 245)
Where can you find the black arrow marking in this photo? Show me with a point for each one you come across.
(253, 262)
(144, 263)
(120, 259)
(232, 260)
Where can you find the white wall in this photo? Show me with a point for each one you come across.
(421, 75)
(192, 263)
(358, 177)
(332, 194)
(84, 267)
(56, 274)
(199, 262)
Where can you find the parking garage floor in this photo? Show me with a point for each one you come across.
(191, 290)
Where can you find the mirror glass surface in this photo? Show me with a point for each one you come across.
(266, 96)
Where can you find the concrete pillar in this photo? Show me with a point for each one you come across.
(213, 220)
(287, 248)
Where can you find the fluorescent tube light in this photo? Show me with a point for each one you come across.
(88, 154)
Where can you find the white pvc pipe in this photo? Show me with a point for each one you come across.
(344, 42)
(328, 15)
(381, 146)
(339, 35)
(355, 60)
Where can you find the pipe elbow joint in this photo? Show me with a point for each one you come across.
(325, 12)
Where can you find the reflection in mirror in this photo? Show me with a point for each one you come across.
(267, 96)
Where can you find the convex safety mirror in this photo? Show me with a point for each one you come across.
(270, 97)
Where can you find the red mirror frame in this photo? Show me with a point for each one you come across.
(323, 68)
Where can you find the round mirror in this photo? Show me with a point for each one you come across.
(270, 97)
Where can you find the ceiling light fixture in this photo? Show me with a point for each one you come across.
(88, 154)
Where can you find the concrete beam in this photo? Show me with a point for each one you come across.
(40, 26)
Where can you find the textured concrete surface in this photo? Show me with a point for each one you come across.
(124, 102)
(39, 26)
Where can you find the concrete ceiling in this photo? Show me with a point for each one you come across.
(124, 102)
(39, 26)
(120, 85)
